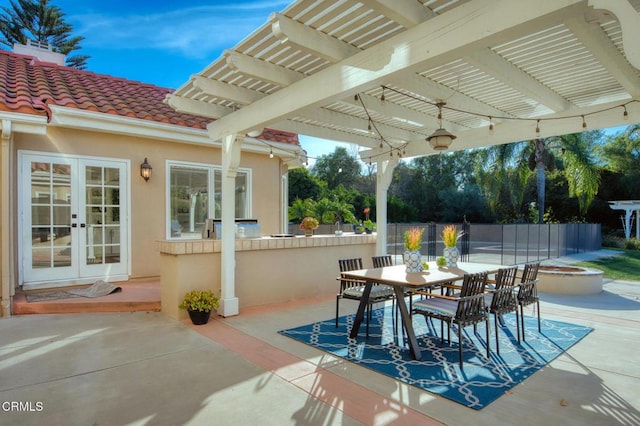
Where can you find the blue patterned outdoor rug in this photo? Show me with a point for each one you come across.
(481, 381)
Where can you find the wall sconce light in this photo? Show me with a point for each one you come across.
(145, 170)
(441, 138)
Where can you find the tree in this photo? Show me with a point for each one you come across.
(337, 168)
(502, 174)
(303, 185)
(577, 161)
(38, 21)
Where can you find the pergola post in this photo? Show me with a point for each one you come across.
(229, 304)
(384, 174)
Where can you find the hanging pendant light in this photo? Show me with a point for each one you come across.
(441, 139)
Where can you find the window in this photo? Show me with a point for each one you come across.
(189, 197)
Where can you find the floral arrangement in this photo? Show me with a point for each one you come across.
(200, 300)
(309, 223)
(450, 235)
(413, 238)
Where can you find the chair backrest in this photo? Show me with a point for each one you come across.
(502, 299)
(350, 264)
(530, 272)
(528, 291)
(473, 284)
(380, 261)
(506, 277)
(471, 306)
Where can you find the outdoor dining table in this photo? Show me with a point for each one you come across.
(400, 280)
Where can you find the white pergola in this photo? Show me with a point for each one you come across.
(371, 72)
(629, 207)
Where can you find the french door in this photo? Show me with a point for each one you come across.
(74, 226)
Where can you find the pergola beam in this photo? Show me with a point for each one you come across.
(496, 66)
(339, 119)
(325, 133)
(593, 36)
(309, 40)
(390, 109)
(476, 23)
(202, 109)
(430, 89)
(239, 95)
(407, 13)
(262, 70)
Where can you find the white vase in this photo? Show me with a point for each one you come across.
(413, 260)
(451, 256)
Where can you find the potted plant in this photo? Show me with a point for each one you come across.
(308, 225)
(358, 229)
(369, 226)
(450, 235)
(412, 243)
(199, 304)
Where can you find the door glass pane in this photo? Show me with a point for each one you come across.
(112, 215)
(62, 256)
(41, 258)
(102, 210)
(40, 215)
(112, 254)
(61, 215)
(94, 195)
(93, 175)
(112, 196)
(112, 234)
(112, 176)
(50, 215)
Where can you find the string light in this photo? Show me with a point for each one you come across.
(401, 152)
(625, 113)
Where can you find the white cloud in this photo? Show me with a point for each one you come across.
(192, 32)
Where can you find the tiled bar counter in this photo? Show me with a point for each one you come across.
(268, 270)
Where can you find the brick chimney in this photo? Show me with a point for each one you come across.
(41, 51)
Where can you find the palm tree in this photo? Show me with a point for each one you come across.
(300, 209)
(38, 21)
(503, 170)
(500, 171)
(579, 166)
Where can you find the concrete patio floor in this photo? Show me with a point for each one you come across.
(146, 369)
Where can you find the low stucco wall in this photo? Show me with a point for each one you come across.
(569, 280)
(268, 270)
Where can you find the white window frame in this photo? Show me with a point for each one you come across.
(211, 169)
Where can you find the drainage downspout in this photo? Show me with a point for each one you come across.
(6, 290)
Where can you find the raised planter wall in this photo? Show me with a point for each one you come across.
(569, 280)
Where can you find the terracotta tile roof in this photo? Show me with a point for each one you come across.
(29, 86)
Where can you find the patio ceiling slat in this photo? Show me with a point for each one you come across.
(552, 58)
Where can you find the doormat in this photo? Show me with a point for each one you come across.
(43, 296)
(98, 289)
(479, 383)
